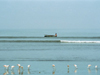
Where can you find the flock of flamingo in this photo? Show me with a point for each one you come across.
(54, 69)
(77, 67)
(20, 69)
(12, 67)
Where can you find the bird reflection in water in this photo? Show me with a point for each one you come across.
(96, 70)
(20, 72)
(29, 71)
(68, 68)
(89, 71)
(53, 72)
(12, 73)
(6, 72)
(75, 71)
(68, 71)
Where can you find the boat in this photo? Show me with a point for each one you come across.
(51, 35)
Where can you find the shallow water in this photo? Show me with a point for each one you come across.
(45, 67)
(41, 52)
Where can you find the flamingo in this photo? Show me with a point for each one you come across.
(6, 66)
(53, 67)
(12, 67)
(89, 66)
(68, 66)
(28, 66)
(96, 66)
(75, 66)
(19, 65)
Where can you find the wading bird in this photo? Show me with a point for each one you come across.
(53, 67)
(6, 66)
(75, 66)
(89, 66)
(28, 67)
(68, 66)
(12, 67)
(19, 65)
(96, 66)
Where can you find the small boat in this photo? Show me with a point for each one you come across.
(51, 35)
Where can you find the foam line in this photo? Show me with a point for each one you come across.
(65, 41)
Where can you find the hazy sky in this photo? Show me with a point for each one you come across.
(53, 14)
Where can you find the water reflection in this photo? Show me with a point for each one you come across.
(20, 72)
(28, 71)
(75, 71)
(96, 70)
(89, 71)
(68, 70)
(12, 73)
(53, 72)
(6, 72)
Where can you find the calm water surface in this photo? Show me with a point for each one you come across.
(30, 47)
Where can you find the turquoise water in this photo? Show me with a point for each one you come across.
(30, 47)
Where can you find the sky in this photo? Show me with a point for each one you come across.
(49, 14)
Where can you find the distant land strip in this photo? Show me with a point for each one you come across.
(86, 37)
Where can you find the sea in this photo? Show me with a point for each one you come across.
(30, 47)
